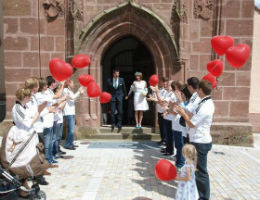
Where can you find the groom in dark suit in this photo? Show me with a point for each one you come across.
(116, 87)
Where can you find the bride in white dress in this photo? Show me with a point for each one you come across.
(139, 87)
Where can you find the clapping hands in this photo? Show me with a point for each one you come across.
(179, 110)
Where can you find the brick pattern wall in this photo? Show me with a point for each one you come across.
(23, 28)
(28, 34)
(232, 95)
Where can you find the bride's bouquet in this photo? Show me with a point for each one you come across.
(144, 92)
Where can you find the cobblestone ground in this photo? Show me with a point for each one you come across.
(116, 170)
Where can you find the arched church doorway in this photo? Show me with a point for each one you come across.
(129, 55)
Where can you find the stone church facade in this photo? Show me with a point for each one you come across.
(177, 34)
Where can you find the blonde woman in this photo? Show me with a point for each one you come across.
(139, 87)
(19, 153)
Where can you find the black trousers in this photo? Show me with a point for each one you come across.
(202, 176)
(119, 106)
(160, 123)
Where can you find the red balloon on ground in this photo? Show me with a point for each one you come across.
(93, 89)
(153, 80)
(238, 55)
(212, 79)
(215, 67)
(59, 69)
(165, 170)
(85, 79)
(105, 97)
(220, 44)
(79, 61)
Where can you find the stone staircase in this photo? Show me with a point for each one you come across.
(127, 133)
(229, 133)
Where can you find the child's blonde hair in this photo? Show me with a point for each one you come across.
(190, 154)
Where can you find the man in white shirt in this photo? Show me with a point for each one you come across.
(200, 137)
(69, 112)
(48, 119)
(192, 85)
(162, 91)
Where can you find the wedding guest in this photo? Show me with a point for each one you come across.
(200, 137)
(162, 90)
(69, 112)
(29, 162)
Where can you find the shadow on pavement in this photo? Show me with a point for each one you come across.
(148, 153)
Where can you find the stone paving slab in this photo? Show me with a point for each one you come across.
(118, 170)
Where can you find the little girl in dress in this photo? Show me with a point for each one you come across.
(187, 189)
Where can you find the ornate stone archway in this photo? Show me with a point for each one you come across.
(126, 19)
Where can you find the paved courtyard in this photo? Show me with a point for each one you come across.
(117, 170)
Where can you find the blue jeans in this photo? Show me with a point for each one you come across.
(202, 176)
(57, 132)
(70, 122)
(48, 137)
(179, 144)
(167, 125)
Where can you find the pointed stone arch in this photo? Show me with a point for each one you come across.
(128, 18)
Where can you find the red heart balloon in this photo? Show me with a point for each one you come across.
(79, 61)
(238, 55)
(105, 97)
(153, 80)
(212, 79)
(220, 44)
(93, 89)
(215, 67)
(85, 79)
(59, 69)
(165, 170)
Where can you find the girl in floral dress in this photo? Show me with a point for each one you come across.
(187, 189)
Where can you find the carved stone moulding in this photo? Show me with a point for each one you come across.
(53, 8)
(203, 9)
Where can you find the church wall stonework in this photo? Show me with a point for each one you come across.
(33, 34)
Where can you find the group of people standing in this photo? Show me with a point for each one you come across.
(33, 144)
(185, 114)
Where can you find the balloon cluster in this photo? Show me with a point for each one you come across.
(61, 71)
(236, 56)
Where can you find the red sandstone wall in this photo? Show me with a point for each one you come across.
(232, 94)
(23, 29)
(21, 37)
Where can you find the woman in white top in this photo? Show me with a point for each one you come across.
(19, 153)
(69, 112)
(139, 87)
